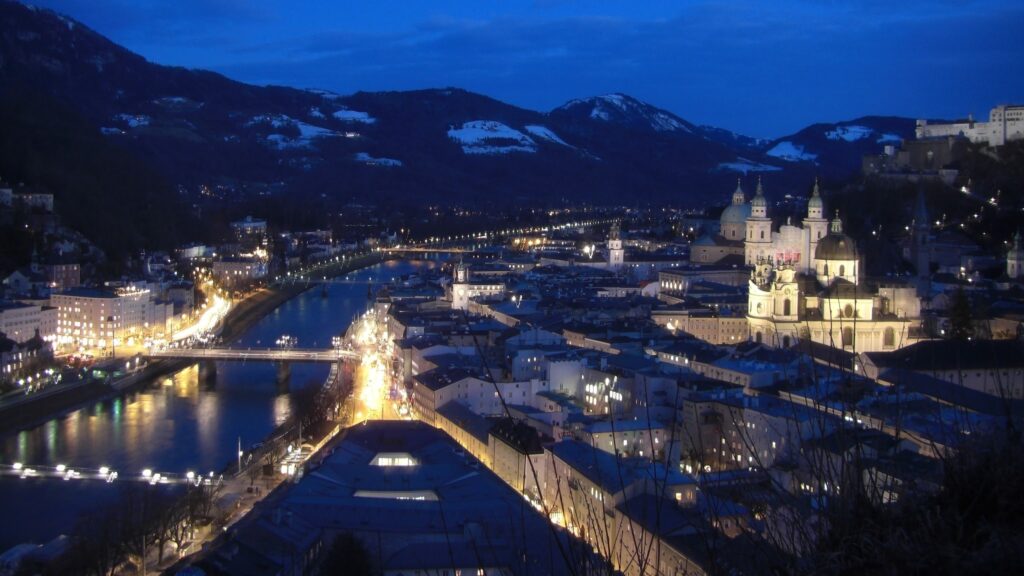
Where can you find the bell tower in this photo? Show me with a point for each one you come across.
(815, 224)
(759, 229)
(616, 254)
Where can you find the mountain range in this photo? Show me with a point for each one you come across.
(151, 139)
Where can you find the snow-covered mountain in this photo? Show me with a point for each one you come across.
(624, 110)
(836, 149)
(200, 130)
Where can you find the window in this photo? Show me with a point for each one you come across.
(848, 311)
(848, 336)
(842, 270)
(757, 337)
(785, 341)
(889, 338)
(786, 307)
(825, 270)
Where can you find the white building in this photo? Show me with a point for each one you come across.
(807, 285)
(250, 231)
(794, 245)
(1005, 123)
(464, 289)
(21, 322)
(231, 272)
(90, 317)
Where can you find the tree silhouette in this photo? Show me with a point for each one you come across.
(960, 318)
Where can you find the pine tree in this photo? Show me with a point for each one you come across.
(960, 320)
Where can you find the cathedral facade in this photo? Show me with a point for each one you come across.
(806, 285)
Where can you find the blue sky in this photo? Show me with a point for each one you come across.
(757, 67)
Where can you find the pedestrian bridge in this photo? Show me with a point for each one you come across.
(258, 354)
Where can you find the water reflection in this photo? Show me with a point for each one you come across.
(175, 424)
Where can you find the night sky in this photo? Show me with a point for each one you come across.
(761, 68)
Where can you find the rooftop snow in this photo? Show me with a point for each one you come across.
(790, 152)
(491, 137)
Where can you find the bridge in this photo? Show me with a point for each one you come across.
(258, 354)
(428, 249)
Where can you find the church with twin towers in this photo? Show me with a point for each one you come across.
(806, 279)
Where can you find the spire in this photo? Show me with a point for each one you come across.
(759, 203)
(739, 196)
(837, 225)
(1016, 240)
(816, 206)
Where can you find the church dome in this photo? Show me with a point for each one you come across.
(735, 214)
(836, 247)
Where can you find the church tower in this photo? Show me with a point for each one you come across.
(1015, 259)
(815, 224)
(759, 229)
(460, 286)
(616, 254)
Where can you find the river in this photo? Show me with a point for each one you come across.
(175, 423)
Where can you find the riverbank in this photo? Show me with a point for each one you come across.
(35, 410)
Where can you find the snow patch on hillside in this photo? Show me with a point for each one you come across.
(354, 116)
(889, 138)
(273, 120)
(545, 133)
(371, 161)
(307, 132)
(175, 101)
(133, 120)
(790, 152)
(325, 94)
(849, 133)
(744, 165)
(316, 113)
(491, 137)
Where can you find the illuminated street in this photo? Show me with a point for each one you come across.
(208, 320)
(373, 392)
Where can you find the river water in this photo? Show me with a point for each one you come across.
(175, 423)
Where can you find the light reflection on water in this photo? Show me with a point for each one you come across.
(177, 423)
